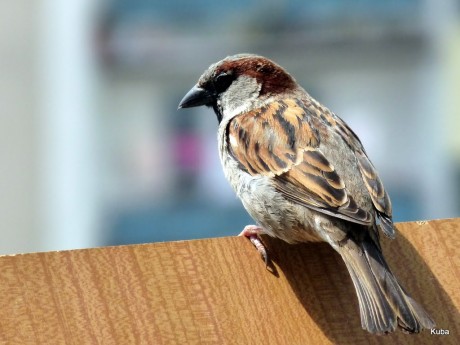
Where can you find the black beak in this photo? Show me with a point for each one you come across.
(196, 97)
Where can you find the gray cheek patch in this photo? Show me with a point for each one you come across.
(239, 96)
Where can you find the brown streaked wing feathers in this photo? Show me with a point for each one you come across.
(377, 192)
(300, 170)
(371, 179)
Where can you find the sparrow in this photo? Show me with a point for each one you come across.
(303, 175)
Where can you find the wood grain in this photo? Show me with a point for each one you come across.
(218, 291)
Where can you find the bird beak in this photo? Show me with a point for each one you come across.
(196, 97)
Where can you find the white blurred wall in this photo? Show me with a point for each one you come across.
(68, 199)
(47, 199)
(18, 126)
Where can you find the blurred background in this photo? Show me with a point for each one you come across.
(93, 151)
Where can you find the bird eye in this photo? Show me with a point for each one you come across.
(222, 82)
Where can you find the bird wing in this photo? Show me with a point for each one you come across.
(374, 185)
(279, 141)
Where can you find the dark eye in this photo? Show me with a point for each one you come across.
(222, 82)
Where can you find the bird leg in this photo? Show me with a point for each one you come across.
(252, 232)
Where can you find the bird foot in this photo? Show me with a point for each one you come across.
(252, 232)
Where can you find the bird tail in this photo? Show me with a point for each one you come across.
(383, 303)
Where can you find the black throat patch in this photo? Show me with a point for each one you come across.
(217, 111)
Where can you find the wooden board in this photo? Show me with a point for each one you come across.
(218, 291)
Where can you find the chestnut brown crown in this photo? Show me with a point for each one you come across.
(272, 77)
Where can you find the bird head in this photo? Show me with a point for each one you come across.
(237, 84)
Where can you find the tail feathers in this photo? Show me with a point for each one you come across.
(383, 303)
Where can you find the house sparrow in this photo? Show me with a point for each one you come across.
(304, 175)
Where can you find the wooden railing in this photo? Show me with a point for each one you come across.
(218, 291)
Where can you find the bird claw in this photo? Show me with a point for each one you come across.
(252, 232)
(255, 240)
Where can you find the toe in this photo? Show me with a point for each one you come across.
(260, 247)
(250, 230)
